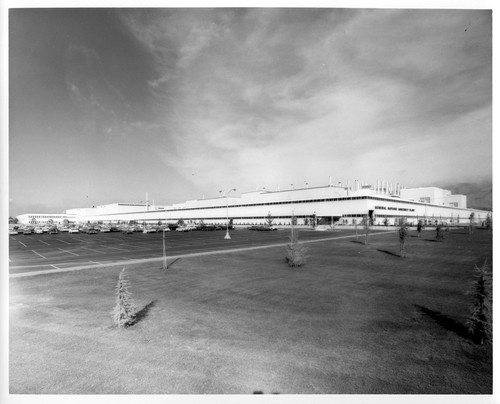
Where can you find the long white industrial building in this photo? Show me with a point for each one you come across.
(328, 204)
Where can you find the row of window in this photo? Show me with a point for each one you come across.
(378, 216)
(248, 205)
(48, 216)
(137, 204)
(286, 203)
(240, 218)
(349, 198)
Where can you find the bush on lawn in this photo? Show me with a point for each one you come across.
(269, 219)
(125, 309)
(489, 222)
(296, 253)
(439, 232)
(471, 223)
(403, 233)
(480, 319)
(366, 227)
(420, 227)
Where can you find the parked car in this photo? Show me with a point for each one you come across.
(38, 230)
(13, 232)
(27, 231)
(74, 230)
(265, 228)
(127, 230)
(104, 229)
(88, 230)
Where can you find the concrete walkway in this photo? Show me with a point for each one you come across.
(174, 257)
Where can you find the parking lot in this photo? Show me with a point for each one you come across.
(28, 253)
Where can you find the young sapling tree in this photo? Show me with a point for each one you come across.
(269, 220)
(488, 221)
(125, 309)
(402, 233)
(366, 228)
(480, 319)
(296, 253)
(471, 223)
(420, 227)
(439, 232)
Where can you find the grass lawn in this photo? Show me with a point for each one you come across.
(356, 319)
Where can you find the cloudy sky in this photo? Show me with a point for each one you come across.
(108, 104)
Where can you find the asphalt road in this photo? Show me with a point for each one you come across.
(37, 252)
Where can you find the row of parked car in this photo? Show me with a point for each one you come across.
(263, 228)
(90, 229)
(203, 227)
(129, 229)
(34, 230)
(124, 228)
(87, 229)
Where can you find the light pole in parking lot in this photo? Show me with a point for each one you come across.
(164, 255)
(227, 236)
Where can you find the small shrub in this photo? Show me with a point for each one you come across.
(471, 223)
(366, 227)
(420, 227)
(125, 309)
(296, 253)
(489, 222)
(402, 233)
(480, 319)
(439, 232)
(269, 219)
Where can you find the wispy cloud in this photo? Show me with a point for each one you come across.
(328, 85)
(263, 96)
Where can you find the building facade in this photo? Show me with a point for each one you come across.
(42, 219)
(332, 204)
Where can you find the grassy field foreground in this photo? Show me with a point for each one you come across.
(356, 319)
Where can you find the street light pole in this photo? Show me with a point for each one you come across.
(227, 236)
(164, 252)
